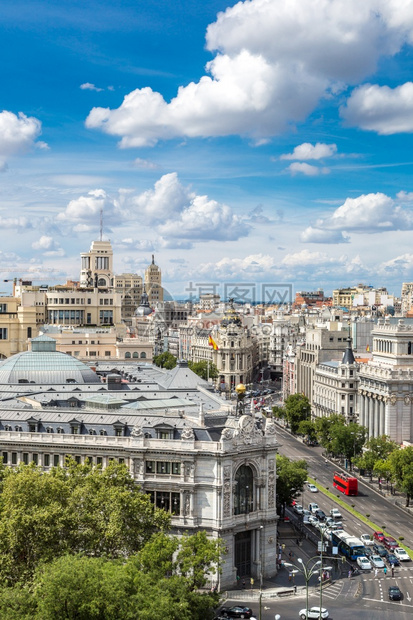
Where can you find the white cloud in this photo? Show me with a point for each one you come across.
(89, 86)
(48, 246)
(318, 235)
(20, 223)
(402, 264)
(177, 212)
(305, 258)
(306, 169)
(307, 151)
(44, 243)
(274, 61)
(144, 164)
(405, 196)
(368, 213)
(18, 134)
(380, 108)
(206, 219)
(257, 266)
(86, 209)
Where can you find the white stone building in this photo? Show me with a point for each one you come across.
(182, 444)
(386, 383)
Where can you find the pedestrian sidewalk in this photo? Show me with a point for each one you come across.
(289, 581)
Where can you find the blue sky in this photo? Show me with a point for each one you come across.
(264, 142)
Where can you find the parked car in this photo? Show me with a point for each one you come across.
(395, 593)
(380, 550)
(320, 514)
(298, 509)
(236, 612)
(335, 513)
(366, 539)
(312, 519)
(313, 612)
(332, 523)
(312, 488)
(312, 507)
(392, 560)
(379, 536)
(401, 554)
(390, 543)
(364, 563)
(376, 561)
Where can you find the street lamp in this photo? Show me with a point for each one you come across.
(322, 532)
(240, 391)
(307, 571)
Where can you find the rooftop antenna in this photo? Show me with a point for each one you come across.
(101, 223)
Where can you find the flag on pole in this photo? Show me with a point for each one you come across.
(212, 343)
(368, 348)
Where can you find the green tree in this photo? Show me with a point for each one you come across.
(204, 369)
(401, 462)
(377, 449)
(44, 515)
(165, 360)
(297, 409)
(347, 440)
(162, 580)
(291, 476)
(324, 428)
(307, 428)
(278, 412)
(383, 469)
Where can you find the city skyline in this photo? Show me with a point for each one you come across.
(265, 141)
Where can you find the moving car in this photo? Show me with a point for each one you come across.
(312, 507)
(376, 561)
(379, 536)
(395, 593)
(313, 612)
(364, 563)
(401, 554)
(320, 514)
(335, 513)
(312, 488)
(312, 519)
(366, 539)
(390, 543)
(392, 560)
(298, 509)
(236, 612)
(380, 550)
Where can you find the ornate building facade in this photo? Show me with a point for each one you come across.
(209, 468)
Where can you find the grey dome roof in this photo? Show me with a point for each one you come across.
(42, 367)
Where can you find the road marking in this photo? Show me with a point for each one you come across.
(408, 597)
(375, 600)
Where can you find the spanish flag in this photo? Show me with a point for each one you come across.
(212, 343)
(368, 348)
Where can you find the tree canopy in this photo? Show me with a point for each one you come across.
(77, 509)
(205, 369)
(162, 580)
(165, 360)
(297, 408)
(291, 476)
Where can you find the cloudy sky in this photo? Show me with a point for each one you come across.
(266, 143)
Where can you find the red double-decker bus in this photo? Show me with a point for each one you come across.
(346, 484)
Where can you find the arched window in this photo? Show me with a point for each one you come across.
(135, 354)
(244, 491)
(127, 355)
(143, 355)
(101, 282)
